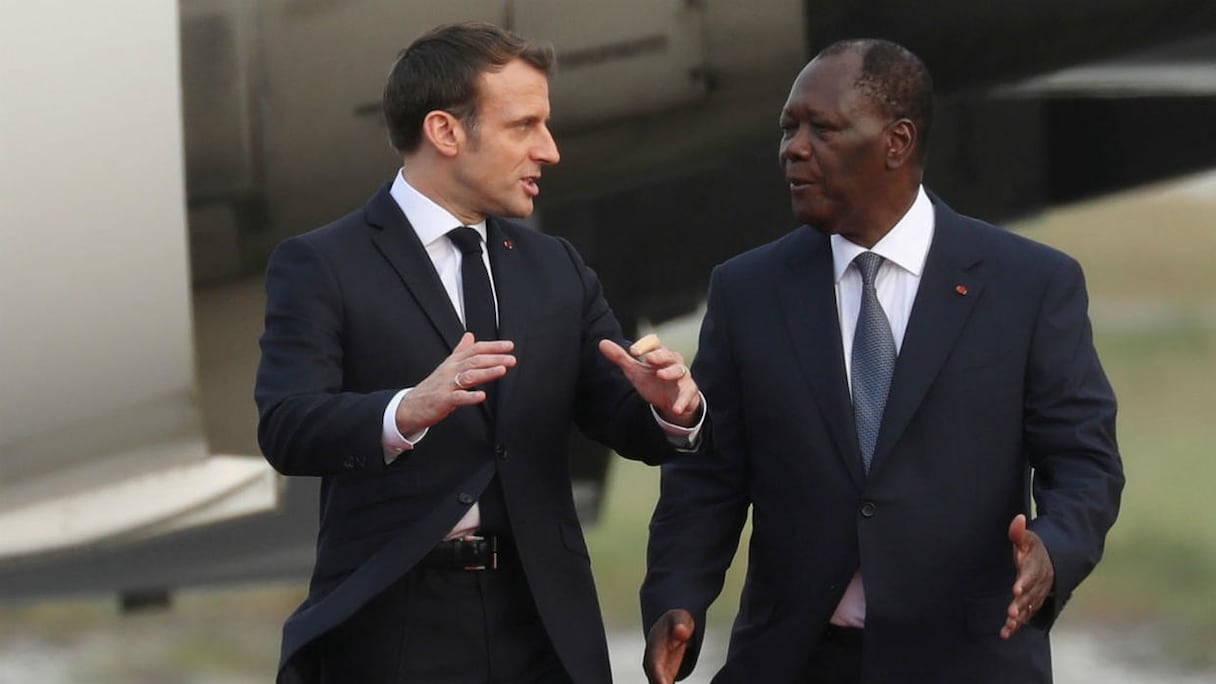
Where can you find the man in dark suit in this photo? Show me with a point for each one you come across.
(449, 549)
(889, 384)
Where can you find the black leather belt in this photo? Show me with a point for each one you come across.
(468, 553)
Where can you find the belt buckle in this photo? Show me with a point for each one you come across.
(474, 540)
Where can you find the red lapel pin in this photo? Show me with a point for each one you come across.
(961, 289)
(508, 244)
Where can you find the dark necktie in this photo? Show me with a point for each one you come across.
(481, 320)
(873, 359)
(479, 311)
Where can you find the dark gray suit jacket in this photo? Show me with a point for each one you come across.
(996, 380)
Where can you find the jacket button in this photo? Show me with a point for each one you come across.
(500, 451)
(867, 509)
(466, 498)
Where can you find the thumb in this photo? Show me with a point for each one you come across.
(1017, 531)
(682, 626)
(615, 353)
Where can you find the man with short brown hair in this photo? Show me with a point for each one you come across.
(427, 359)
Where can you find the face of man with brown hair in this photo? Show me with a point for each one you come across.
(497, 167)
(837, 152)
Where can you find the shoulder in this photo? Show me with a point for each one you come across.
(531, 243)
(1018, 253)
(769, 259)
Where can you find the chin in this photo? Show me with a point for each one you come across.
(819, 215)
(519, 210)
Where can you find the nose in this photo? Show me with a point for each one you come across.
(795, 145)
(545, 151)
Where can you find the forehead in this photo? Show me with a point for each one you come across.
(516, 87)
(827, 85)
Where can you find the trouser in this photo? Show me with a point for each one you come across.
(445, 626)
(838, 659)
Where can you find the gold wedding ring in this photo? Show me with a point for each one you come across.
(456, 381)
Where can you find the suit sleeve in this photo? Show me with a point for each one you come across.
(1070, 435)
(703, 500)
(607, 408)
(307, 424)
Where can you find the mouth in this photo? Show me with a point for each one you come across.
(800, 183)
(531, 185)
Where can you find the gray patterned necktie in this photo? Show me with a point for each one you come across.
(873, 359)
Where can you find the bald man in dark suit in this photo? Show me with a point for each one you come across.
(890, 385)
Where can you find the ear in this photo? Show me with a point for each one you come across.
(901, 142)
(444, 132)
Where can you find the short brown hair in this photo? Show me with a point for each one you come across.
(439, 71)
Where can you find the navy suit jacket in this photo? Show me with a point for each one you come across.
(355, 312)
(997, 393)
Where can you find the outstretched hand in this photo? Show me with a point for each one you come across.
(1036, 576)
(665, 646)
(660, 376)
(455, 382)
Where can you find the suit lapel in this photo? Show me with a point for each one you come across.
(808, 301)
(511, 291)
(949, 290)
(399, 244)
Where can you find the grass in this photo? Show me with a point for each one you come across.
(1151, 263)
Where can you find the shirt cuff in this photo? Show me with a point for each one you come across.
(683, 438)
(390, 438)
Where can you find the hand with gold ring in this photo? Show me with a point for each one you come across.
(455, 382)
(660, 376)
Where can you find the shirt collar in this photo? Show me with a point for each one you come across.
(430, 221)
(906, 245)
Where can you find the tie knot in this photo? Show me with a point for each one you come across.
(868, 263)
(466, 240)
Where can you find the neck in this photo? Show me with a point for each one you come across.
(428, 179)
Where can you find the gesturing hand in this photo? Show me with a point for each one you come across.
(660, 376)
(454, 382)
(1036, 576)
(665, 646)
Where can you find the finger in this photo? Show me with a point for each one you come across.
(470, 397)
(683, 624)
(688, 401)
(1017, 531)
(488, 361)
(466, 341)
(645, 345)
(1014, 611)
(617, 354)
(480, 376)
(485, 347)
(676, 371)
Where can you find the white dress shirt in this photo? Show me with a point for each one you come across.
(431, 223)
(904, 250)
